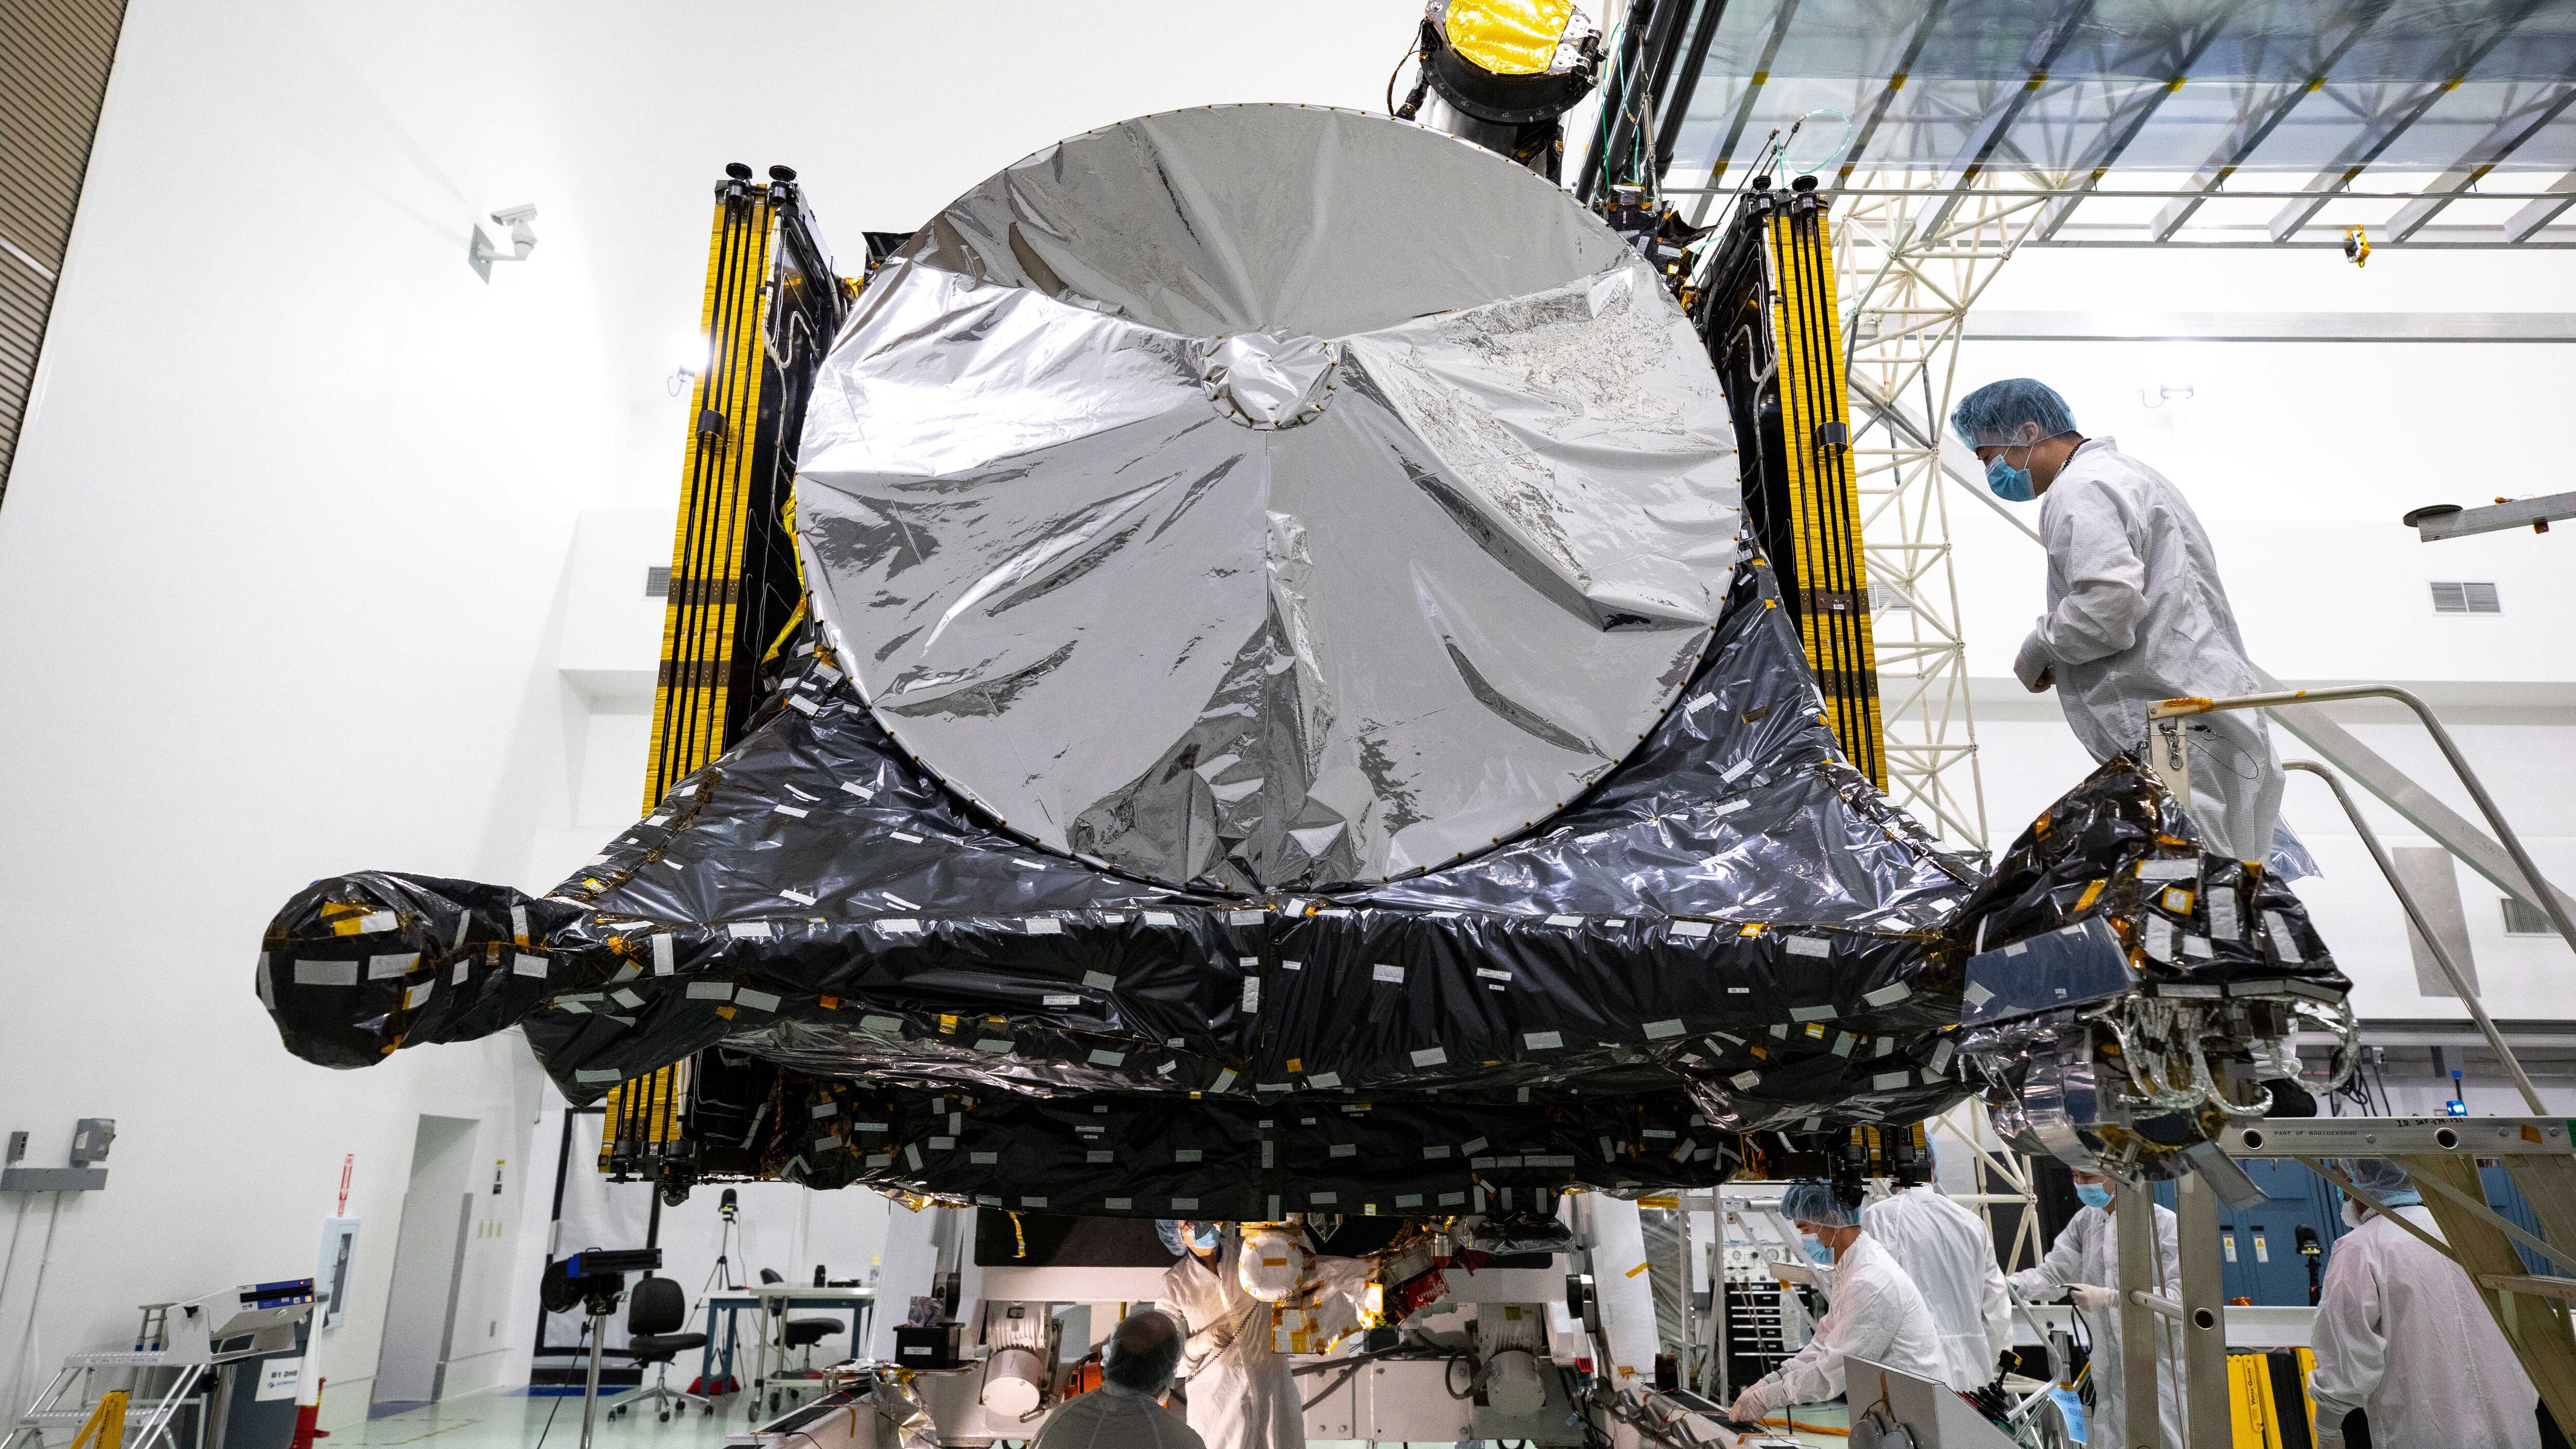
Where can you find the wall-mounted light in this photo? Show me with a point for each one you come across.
(695, 351)
(2162, 393)
(481, 253)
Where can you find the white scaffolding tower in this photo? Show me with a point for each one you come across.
(1912, 256)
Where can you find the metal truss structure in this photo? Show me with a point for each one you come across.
(2259, 123)
(1912, 263)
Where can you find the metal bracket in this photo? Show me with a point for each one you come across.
(2439, 521)
(2399, 1137)
(52, 1179)
(2168, 758)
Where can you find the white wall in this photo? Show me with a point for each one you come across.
(287, 563)
(280, 552)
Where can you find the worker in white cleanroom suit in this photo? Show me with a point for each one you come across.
(2401, 1336)
(2084, 1263)
(1251, 1298)
(1875, 1312)
(1127, 1411)
(2136, 612)
(1949, 1253)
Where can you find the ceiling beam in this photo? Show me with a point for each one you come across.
(2383, 130)
(2541, 212)
(1989, 130)
(1887, 98)
(2256, 126)
(2378, 133)
(2491, 151)
(1985, 325)
(1725, 154)
(2130, 118)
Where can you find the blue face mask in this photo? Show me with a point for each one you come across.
(2009, 483)
(2095, 1194)
(1816, 1248)
(1202, 1237)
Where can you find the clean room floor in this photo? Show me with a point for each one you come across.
(512, 1419)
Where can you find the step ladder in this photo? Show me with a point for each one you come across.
(67, 1403)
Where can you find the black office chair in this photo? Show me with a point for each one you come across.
(653, 1309)
(798, 1333)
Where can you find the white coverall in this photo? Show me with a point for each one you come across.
(1876, 1313)
(2136, 613)
(1241, 1394)
(2088, 1251)
(1950, 1256)
(2401, 1335)
(1114, 1416)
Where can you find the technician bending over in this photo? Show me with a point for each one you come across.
(2084, 1264)
(2135, 609)
(1875, 1312)
(1126, 1411)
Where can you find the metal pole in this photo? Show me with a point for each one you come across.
(2424, 931)
(1685, 84)
(1712, 1366)
(1689, 1356)
(2133, 1215)
(1652, 59)
(2459, 765)
(590, 1386)
(1615, 99)
(2204, 1317)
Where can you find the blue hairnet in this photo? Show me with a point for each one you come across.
(1813, 1202)
(1994, 414)
(2376, 1175)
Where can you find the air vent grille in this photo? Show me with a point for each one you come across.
(2466, 598)
(2522, 918)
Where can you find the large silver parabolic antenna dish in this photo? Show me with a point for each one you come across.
(1266, 497)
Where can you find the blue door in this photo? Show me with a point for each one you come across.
(2259, 1253)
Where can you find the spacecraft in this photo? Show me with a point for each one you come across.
(1285, 704)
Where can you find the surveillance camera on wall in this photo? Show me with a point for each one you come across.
(523, 239)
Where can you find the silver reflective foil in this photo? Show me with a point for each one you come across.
(1267, 497)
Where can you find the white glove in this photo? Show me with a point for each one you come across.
(2090, 1298)
(1752, 1404)
(2326, 1437)
(2031, 666)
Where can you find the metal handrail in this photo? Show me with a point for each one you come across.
(2424, 931)
(2441, 737)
